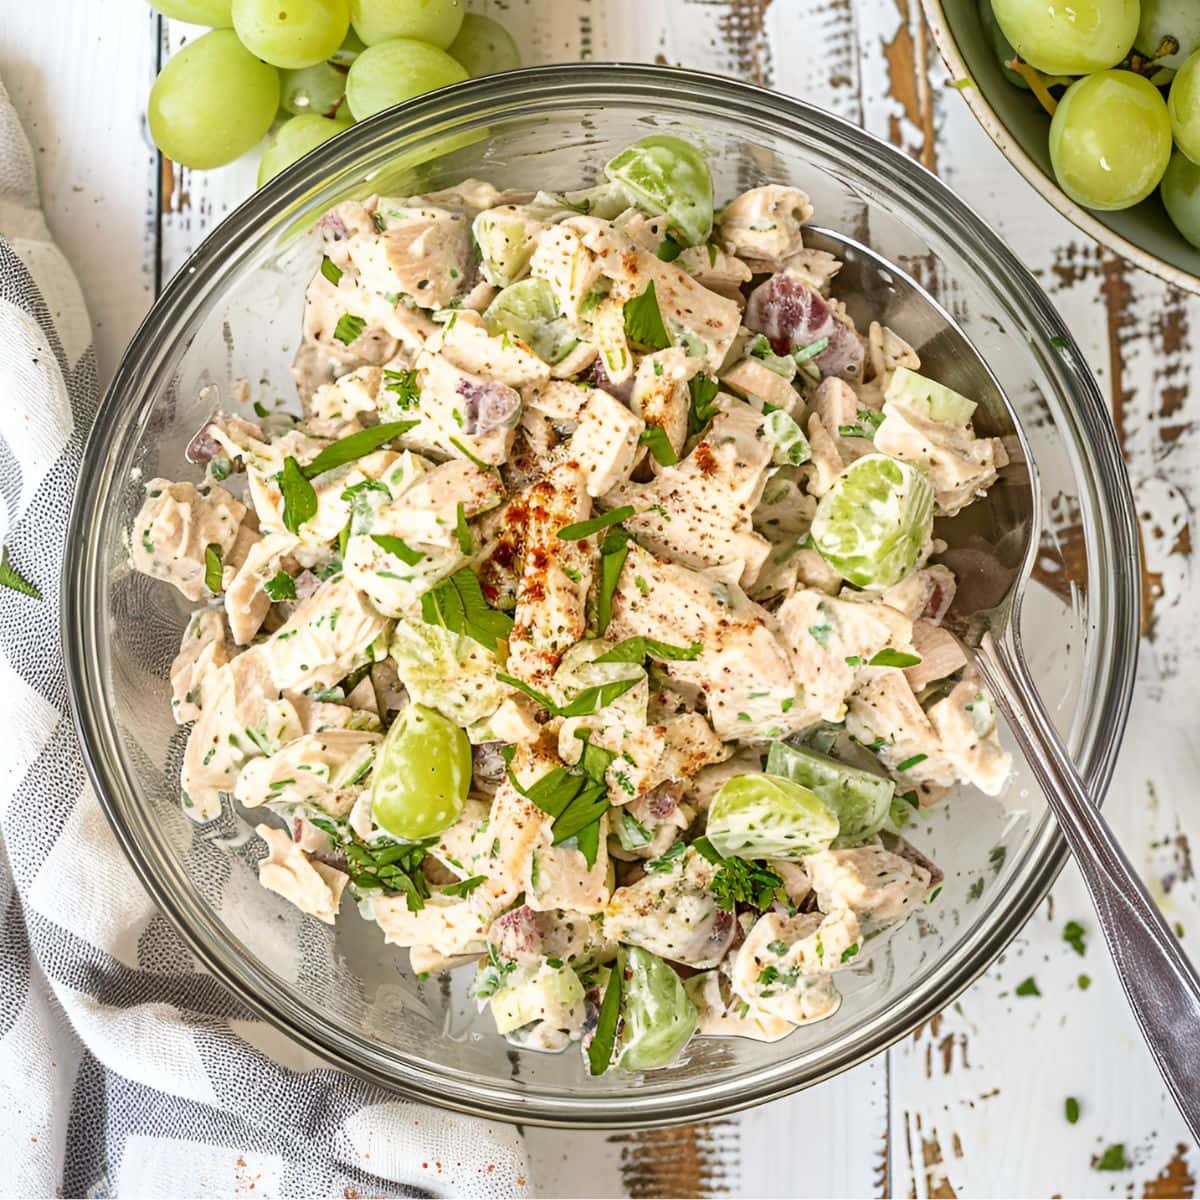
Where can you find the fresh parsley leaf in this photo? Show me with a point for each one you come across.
(582, 529)
(464, 887)
(457, 604)
(1028, 987)
(348, 328)
(281, 587)
(299, 498)
(399, 547)
(212, 567)
(644, 325)
(909, 763)
(703, 390)
(849, 952)
(811, 350)
(1073, 935)
(600, 1051)
(869, 421)
(1071, 1110)
(890, 657)
(637, 649)
(403, 384)
(1113, 1159)
(670, 250)
(668, 859)
(745, 882)
(655, 436)
(394, 867)
(461, 529)
(10, 577)
(347, 449)
(330, 270)
(586, 702)
(707, 850)
(1084, 982)
(614, 548)
(472, 458)
(821, 633)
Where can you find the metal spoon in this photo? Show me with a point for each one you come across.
(992, 553)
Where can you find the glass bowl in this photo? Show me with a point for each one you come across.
(233, 312)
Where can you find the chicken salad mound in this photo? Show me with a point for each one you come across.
(586, 626)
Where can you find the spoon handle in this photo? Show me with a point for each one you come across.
(1160, 983)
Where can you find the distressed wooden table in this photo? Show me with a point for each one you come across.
(973, 1103)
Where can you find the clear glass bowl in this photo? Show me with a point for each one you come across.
(234, 312)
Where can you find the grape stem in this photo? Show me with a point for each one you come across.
(1038, 83)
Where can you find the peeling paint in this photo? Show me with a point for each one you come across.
(1175, 1181)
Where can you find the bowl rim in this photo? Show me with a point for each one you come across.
(1086, 423)
(1080, 217)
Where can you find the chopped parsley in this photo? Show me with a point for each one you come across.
(909, 763)
(668, 859)
(821, 634)
(644, 325)
(613, 549)
(331, 270)
(348, 328)
(1028, 987)
(212, 567)
(1113, 1159)
(1073, 934)
(589, 700)
(399, 547)
(403, 385)
(582, 529)
(637, 649)
(464, 887)
(703, 390)
(458, 604)
(348, 449)
(603, 1043)
(655, 437)
(280, 587)
(811, 350)
(461, 530)
(894, 658)
(1071, 1110)
(299, 497)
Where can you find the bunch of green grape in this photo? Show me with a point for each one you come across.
(1122, 82)
(304, 70)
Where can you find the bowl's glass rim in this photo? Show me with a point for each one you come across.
(1113, 583)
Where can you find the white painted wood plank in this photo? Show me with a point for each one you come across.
(78, 75)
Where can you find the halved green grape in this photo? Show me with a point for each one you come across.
(1002, 47)
(291, 33)
(664, 174)
(395, 71)
(215, 13)
(422, 774)
(529, 310)
(1069, 39)
(1110, 140)
(318, 90)
(860, 798)
(294, 139)
(1161, 19)
(764, 816)
(434, 21)
(875, 522)
(1181, 196)
(1183, 104)
(659, 1017)
(212, 101)
(484, 46)
(933, 400)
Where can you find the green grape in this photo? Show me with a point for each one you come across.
(664, 174)
(875, 522)
(292, 33)
(212, 101)
(1069, 38)
(294, 139)
(765, 816)
(422, 774)
(860, 798)
(215, 13)
(434, 21)
(1178, 19)
(1181, 196)
(658, 1016)
(318, 89)
(1110, 140)
(395, 71)
(1183, 104)
(529, 310)
(484, 47)
(352, 46)
(1002, 47)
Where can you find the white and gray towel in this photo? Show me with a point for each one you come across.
(125, 1069)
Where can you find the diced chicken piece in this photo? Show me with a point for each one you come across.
(516, 826)
(465, 341)
(567, 265)
(201, 652)
(176, 525)
(763, 225)
(526, 936)
(926, 593)
(334, 409)
(874, 884)
(447, 925)
(698, 513)
(317, 770)
(756, 381)
(660, 393)
(724, 1014)
(742, 667)
(345, 325)
(813, 267)
(793, 315)
(704, 785)
(783, 966)
(717, 270)
(246, 603)
(830, 641)
(577, 363)
(961, 465)
(419, 252)
(550, 613)
(329, 634)
(826, 462)
(965, 722)
(558, 400)
(311, 885)
(702, 321)
(673, 914)
(941, 655)
(465, 847)
(887, 350)
(426, 513)
(605, 443)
